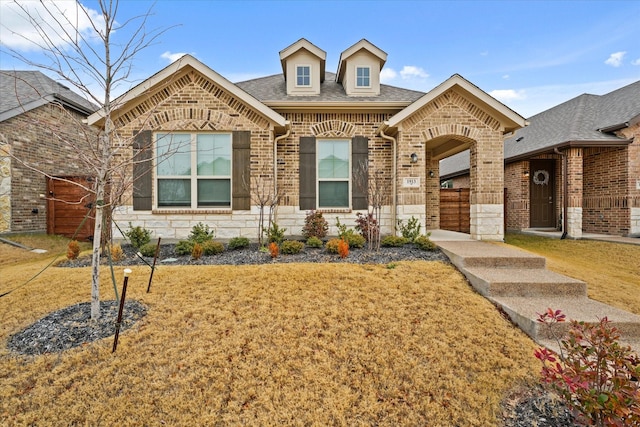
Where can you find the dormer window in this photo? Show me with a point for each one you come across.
(303, 75)
(363, 77)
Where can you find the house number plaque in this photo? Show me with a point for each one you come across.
(411, 182)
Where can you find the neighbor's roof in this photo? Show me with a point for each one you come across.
(22, 91)
(586, 120)
(272, 91)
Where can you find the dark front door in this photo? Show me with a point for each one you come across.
(542, 185)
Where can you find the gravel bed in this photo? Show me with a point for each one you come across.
(253, 255)
(71, 327)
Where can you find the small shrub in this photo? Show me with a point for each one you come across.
(368, 226)
(196, 252)
(138, 236)
(116, 252)
(315, 225)
(423, 242)
(314, 242)
(212, 248)
(332, 246)
(343, 248)
(238, 243)
(275, 234)
(410, 231)
(148, 250)
(201, 233)
(274, 249)
(393, 241)
(291, 247)
(73, 250)
(354, 240)
(391, 265)
(184, 247)
(594, 375)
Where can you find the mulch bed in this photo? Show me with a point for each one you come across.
(72, 326)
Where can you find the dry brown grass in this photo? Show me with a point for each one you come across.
(305, 344)
(611, 270)
(54, 245)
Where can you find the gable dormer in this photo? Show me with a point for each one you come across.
(359, 69)
(303, 65)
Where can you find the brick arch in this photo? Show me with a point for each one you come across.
(456, 130)
(333, 128)
(193, 119)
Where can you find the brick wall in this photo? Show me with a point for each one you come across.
(45, 140)
(516, 182)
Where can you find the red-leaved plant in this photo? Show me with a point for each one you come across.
(274, 249)
(343, 248)
(593, 373)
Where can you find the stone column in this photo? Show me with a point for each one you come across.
(574, 196)
(5, 189)
(487, 188)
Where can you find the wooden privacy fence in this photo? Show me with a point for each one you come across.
(454, 209)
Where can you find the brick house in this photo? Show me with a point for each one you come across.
(205, 147)
(39, 120)
(581, 157)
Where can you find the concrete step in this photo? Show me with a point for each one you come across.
(471, 254)
(523, 282)
(523, 312)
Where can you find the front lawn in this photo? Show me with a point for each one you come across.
(408, 343)
(611, 270)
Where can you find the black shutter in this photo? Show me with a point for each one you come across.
(359, 172)
(307, 173)
(142, 180)
(241, 164)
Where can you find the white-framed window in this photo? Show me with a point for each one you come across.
(333, 169)
(363, 77)
(193, 170)
(303, 75)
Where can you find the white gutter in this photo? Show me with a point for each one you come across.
(394, 190)
(275, 157)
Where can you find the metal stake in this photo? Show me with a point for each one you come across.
(153, 267)
(119, 321)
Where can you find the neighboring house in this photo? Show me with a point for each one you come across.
(205, 149)
(581, 157)
(40, 122)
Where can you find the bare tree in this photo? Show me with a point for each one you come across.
(375, 184)
(267, 197)
(96, 61)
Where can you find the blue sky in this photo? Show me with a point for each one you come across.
(531, 55)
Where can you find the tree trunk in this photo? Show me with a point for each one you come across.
(95, 255)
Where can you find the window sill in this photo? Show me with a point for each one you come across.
(335, 210)
(224, 211)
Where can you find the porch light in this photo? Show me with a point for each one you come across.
(525, 173)
(431, 174)
(414, 158)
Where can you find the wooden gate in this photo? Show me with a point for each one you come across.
(455, 209)
(67, 205)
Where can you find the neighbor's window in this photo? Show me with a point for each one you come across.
(303, 75)
(363, 77)
(193, 170)
(333, 158)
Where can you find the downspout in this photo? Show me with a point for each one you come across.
(565, 191)
(275, 158)
(394, 190)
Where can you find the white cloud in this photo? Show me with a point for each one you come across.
(508, 95)
(636, 62)
(172, 57)
(54, 17)
(615, 59)
(484, 53)
(411, 72)
(506, 76)
(387, 75)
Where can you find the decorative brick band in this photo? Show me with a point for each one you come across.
(333, 128)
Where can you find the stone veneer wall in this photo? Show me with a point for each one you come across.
(5, 188)
(34, 138)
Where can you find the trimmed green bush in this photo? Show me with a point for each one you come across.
(332, 246)
(275, 234)
(291, 247)
(423, 242)
(393, 241)
(138, 236)
(238, 243)
(212, 248)
(184, 247)
(354, 240)
(201, 233)
(314, 242)
(148, 249)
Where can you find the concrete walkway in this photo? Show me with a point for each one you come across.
(519, 283)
